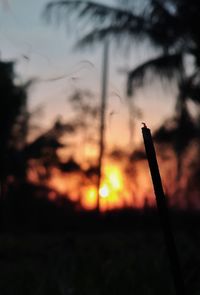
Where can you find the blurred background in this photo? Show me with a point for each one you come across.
(77, 80)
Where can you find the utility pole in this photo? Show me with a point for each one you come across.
(102, 117)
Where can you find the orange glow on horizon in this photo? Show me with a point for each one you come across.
(118, 189)
(89, 198)
(113, 192)
(66, 184)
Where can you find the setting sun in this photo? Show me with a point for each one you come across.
(104, 191)
(113, 192)
(117, 189)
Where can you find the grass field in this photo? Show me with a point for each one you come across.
(104, 263)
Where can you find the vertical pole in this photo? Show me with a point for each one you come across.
(102, 118)
(163, 211)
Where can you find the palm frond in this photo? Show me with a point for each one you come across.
(94, 11)
(105, 19)
(178, 131)
(165, 66)
(116, 32)
(189, 88)
(194, 94)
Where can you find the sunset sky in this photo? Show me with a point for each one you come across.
(45, 51)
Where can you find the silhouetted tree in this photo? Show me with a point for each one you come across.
(13, 120)
(170, 26)
(44, 149)
(86, 115)
(21, 202)
(172, 29)
(15, 150)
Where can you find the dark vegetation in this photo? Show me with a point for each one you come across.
(51, 248)
(101, 263)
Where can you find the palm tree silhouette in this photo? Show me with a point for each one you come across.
(171, 26)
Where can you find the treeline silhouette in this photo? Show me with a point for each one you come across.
(171, 29)
(177, 139)
(24, 204)
(27, 205)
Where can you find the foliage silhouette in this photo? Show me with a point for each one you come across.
(15, 149)
(171, 27)
(22, 201)
(13, 121)
(70, 166)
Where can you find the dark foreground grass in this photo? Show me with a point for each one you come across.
(104, 263)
